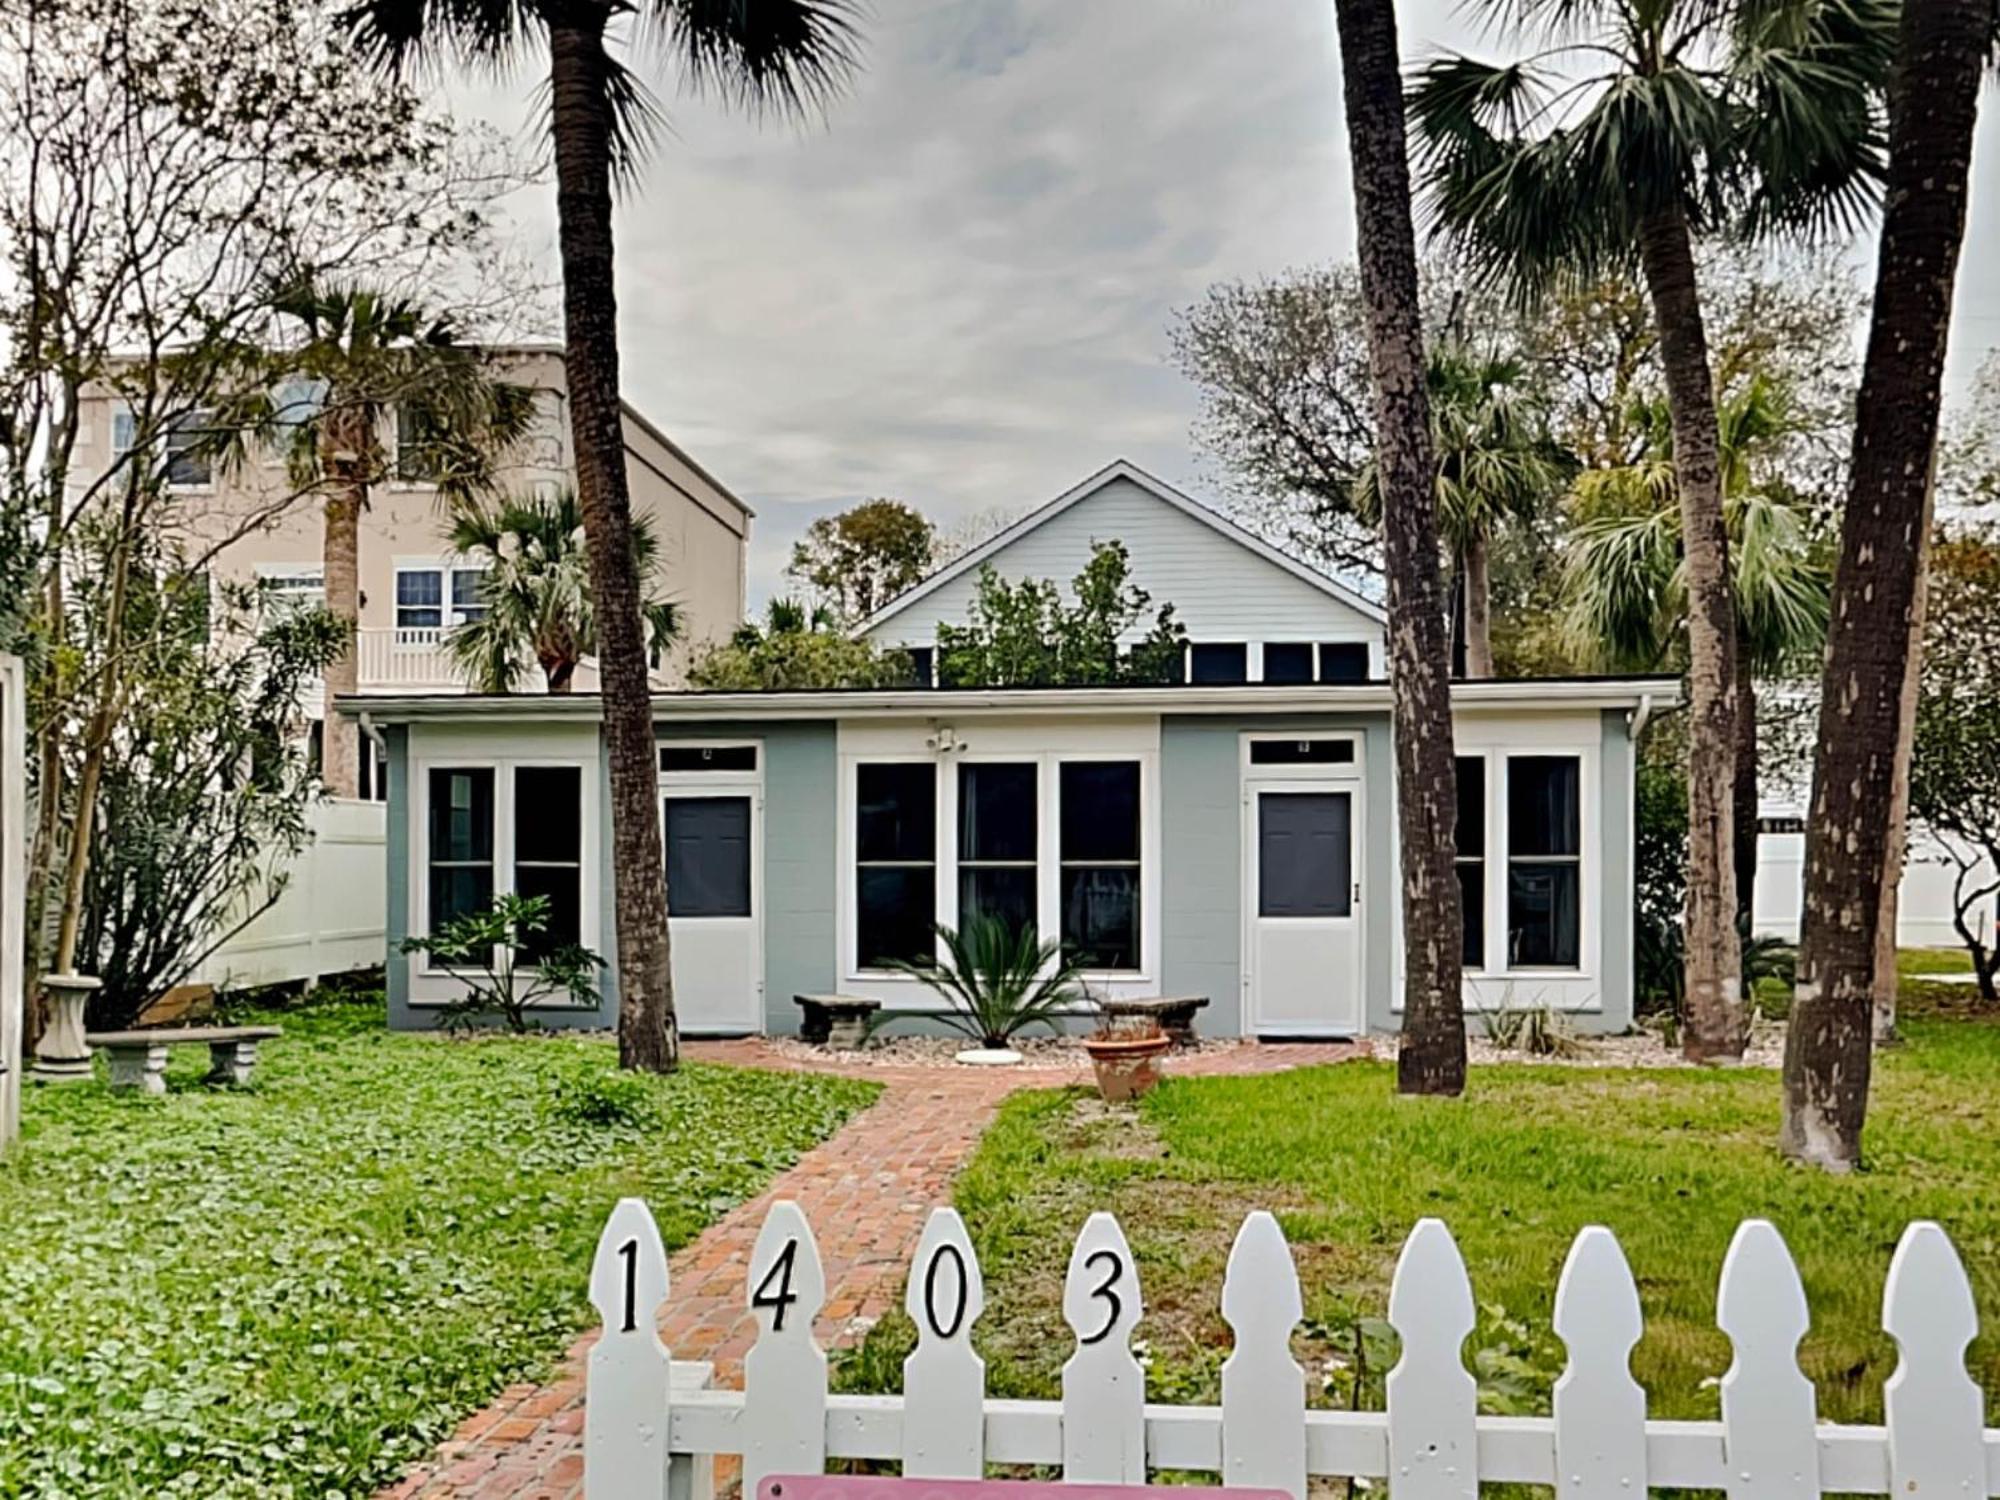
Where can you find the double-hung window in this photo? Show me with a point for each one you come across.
(284, 592)
(430, 598)
(997, 825)
(420, 446)
(460, 848)
(1100, 888)
(895, 850)
(1471, 839)
(548, 852)
(1544, 861)
(188, 466)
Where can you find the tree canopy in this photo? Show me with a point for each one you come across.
(1026, 634)
(859, 560)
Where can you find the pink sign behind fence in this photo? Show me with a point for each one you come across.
(888, 1487)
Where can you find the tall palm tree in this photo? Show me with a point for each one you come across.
(1941, 47)
(1432, 1057)
(1671, 119)
(1496, 464)
(353, 357)
(536, 592)
(787, 56)
(1625, 585)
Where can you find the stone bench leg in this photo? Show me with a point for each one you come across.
(230, 1063)
(142, 1067)
(847, 1033)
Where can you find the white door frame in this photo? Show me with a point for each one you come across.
(691, 784)
(1341, 776)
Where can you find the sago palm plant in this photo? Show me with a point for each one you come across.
(999, 979)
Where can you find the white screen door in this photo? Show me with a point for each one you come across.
(1304, 903)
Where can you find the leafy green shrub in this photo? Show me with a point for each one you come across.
(997, 980)
(1537, 1031)
(601, 1100)
(489, 953)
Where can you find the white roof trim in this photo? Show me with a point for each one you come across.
(1160, 490)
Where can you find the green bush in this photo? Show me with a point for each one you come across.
(1659, 889)
(602, 1100)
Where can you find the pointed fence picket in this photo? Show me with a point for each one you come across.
(652, 1427)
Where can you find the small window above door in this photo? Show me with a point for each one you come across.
(708, 758)
(1302, 752)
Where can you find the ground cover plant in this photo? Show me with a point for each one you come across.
(299, 1289)
(1670, 1159)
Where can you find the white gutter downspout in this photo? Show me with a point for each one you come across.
(374, 733)
(1635, 721)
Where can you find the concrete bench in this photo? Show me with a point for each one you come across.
(1175, 1013)
(837, 1021)
(139, 1058)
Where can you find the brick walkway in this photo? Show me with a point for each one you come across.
(866, 1191)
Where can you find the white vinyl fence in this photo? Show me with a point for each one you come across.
(652, 1428)
(13, 886)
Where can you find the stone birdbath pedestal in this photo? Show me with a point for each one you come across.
(62, 1055)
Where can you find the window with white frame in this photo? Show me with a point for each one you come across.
(1100, 831)
(895, 849)
(1471, 840)
(998, 832)
(285, 591)
(421, 594)
(188, 465)
(548, 852)
(1544, 861)
(460, 845)
(419, 445)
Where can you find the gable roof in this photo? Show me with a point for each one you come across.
(1160, 490)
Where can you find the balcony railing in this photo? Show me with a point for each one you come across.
(413, 659)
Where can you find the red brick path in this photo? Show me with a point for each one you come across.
(865, 1190)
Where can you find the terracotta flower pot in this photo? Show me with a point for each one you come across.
(1127, 1066)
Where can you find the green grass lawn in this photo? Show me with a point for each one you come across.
(1671, 1160)
(298, 1289)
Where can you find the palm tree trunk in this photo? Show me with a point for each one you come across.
(580, 113)
(1941, 46)
(1432, 1057)
(1887, 979)
(1478, 585)
(1717, 1019)
(340, 572)
(1743, 797)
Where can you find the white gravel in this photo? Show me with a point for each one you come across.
(1038, 1053)
(1641, 1049)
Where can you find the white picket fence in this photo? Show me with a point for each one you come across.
(652, 1428)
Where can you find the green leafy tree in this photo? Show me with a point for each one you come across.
(1625, 588)
(780, 56)
(862, 558)
(502, 957)
(1955, 760)
(1024, 634)
(1684, 120)
(355, 356)
(536, 592)
(796, 648)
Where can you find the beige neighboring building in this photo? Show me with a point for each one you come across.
(412, 589)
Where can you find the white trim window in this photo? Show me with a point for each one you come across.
(459, 844)
(518, 827)
(185, 469)
(286, 589)
(548, 852)
(1544, 861)
(998, 842)
(1102, 821)
(422, 591)
(418, 460)
(1471, 840)
(895, 861)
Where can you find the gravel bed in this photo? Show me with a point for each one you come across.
(1038, 1053)
(1640, 1049)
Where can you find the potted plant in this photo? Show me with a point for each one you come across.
(998, 980)
(1127, 1058)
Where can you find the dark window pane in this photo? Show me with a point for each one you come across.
(1218, 662)
(1542, 816)
(548, 814)
(1301, 752)
(1305, 854)
(922, 661)
(1004, 891)
(420, 587)
(1100, 916)
(1100, 810)
(996, 812)
(708, 856)
(462, 815)
(457, 890)
(1542, 915)
(1471, 805)
(1343, 661)
(896, 907)
(562, 886)
(896, 811)
(708, 757)
(1472, 902)
(1288, 661)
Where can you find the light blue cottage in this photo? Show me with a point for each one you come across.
(1232, 837)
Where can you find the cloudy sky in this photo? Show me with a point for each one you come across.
(956, 291)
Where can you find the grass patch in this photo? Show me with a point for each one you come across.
(299, 1289)
(1671, 1160)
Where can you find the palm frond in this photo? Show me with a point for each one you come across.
(1621, 587)
(784, 57)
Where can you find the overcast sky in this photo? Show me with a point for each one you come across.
(957, 291)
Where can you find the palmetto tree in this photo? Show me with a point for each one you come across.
(1496, 464)
(1625, 585)
(1646, 124)
(536, 592)
(353, 356)
(787, 56)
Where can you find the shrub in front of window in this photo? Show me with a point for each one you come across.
(497, 954)
(997, 978)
